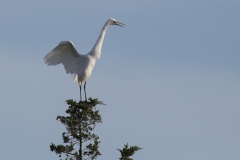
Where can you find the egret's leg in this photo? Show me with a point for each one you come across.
(80, 86)
(85, 90)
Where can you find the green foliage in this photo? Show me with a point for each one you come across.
(80, 123)
(126, 152)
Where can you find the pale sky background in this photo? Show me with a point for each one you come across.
(170, 77)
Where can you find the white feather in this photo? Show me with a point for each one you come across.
(66, 54)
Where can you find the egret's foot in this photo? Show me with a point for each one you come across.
(87, 102)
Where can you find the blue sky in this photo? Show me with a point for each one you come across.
(170, 77)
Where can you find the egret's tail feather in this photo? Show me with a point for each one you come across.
(75, 77)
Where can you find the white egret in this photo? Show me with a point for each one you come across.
(75, 63)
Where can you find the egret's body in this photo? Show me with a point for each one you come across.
(74, 63)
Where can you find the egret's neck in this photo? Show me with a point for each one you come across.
(96, 50)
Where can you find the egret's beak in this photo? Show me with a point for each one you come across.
(119, 24)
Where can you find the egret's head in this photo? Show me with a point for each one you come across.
(113, 21)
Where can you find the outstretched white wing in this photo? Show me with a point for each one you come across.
(66, 54)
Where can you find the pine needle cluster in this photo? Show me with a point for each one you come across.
(126, 152)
